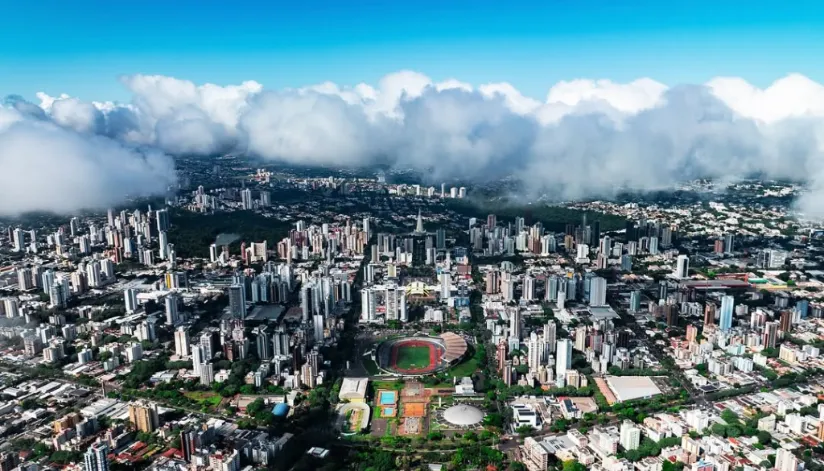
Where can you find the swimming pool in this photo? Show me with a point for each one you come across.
(387, 397)
(388, 411)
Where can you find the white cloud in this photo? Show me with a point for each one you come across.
(46, 166)
(587, 137)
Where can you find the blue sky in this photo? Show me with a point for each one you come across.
(81, 47)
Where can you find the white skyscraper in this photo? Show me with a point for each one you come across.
(535, 353)
(630, 435)
(682, 267)
(10, 306)
(598, 292)
(130, 297)
(515, 323)
(529, 289)
(785, 460)
(171, 309)
(19, 239)
(246, 198)
(446, 285)
(182, 342)
(197, 359)
(93, 274)
(317, 325)
(563, 360)
(163, 245)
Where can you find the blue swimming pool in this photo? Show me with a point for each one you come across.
(387, 397)
(388, 411)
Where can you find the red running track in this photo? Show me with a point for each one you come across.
(433, 357)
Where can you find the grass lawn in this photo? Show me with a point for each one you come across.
(390, 385)
(464, 369)
(208, 398)
(413, 357)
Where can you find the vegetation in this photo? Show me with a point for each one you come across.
(193, 233)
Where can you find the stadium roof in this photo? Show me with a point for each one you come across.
(353, 389)
(463, 415)
(455, 346)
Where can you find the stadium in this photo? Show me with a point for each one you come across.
(420, 355)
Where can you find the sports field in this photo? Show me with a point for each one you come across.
(412, 357)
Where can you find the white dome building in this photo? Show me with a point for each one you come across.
(463, 415)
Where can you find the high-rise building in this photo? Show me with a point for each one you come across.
(786, 321)
(188, 444)
(785, 460)
(209, 344)
(709, 314)
(143, 415)
(171, 309)
(130, 297)
(635, 301)
(446, 285)
(515, 323)
(563, 360)
(237, 301)
(24, 280)
(729, 240)
(163, 223)
(598, 292)
(682, 267)
(630, 435)
(207, 374)
(727, 304)
(529, 289)
(19, 239)
(96, 457)
(263, 343)
(182, 342)
(197, 358)
(770, 336)
(492, 282)
(246, 199)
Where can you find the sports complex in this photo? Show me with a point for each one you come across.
(420, 355)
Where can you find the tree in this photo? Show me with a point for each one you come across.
(573, 465)
(719, 429)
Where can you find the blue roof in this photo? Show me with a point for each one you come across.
(280, 410)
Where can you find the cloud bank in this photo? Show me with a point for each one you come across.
(61, 163)
(586, 138)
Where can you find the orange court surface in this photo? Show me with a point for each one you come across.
(414, 409)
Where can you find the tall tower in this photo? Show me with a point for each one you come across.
(419, 226)
(95, 458)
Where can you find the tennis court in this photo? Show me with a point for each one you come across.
(414, 409)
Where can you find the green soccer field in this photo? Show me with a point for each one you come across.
(410, 357)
